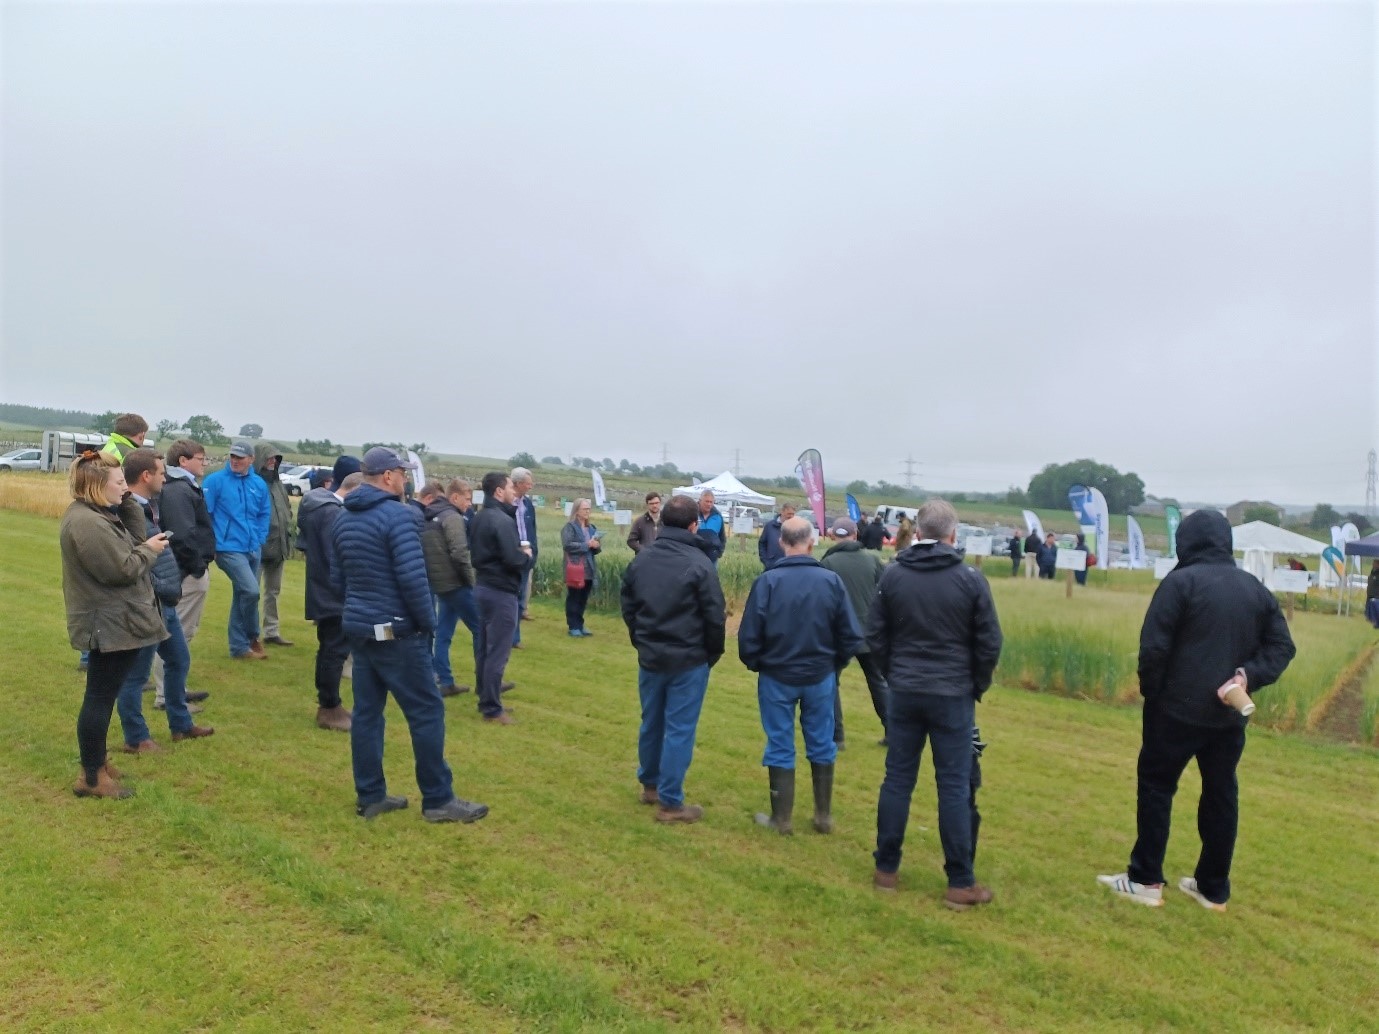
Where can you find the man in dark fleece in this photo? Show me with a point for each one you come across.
(316, 517)
(934, 636)
(1209, 625)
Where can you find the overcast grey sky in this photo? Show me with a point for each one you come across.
(993, 236)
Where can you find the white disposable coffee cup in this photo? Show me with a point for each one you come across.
(524, 543)
(1236, 697)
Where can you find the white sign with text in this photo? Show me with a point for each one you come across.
(1283, 579)
(1071, 560)
(744, 525)
(622, 518)
(978, 545)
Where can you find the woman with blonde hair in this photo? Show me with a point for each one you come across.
(580, 541)
(111, 607)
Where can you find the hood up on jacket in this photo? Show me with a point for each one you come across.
(263, 452)
(930, 556)
(1204, 537)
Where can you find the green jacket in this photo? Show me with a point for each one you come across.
(281, 532)
(105, 579)
(860, 569)
(118, 446)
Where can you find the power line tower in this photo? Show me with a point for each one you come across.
(737, 462)
(1371, 487)
(665, 452)
(910, 472)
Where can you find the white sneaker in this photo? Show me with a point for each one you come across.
(1123, 886)
(1188, 885)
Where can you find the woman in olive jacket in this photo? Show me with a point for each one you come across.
(111, 608)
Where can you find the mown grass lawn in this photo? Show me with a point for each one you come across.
(238, 892)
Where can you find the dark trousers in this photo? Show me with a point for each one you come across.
(876, 686)
(575, 602)
(1167, 747)
(1015, 560)
(838, 708)
(401, 667)
(946, 722)
(493, 646)
(105, 674)
(331, 650)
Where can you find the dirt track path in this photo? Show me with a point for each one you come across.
(1341, 719)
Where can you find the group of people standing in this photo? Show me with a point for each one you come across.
(389, 580)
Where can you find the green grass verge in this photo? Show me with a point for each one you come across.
(238, 892)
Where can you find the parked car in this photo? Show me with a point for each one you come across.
(298, 482)
(21, 459)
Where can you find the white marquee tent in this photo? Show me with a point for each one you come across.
(728, 489)
(1262, 543)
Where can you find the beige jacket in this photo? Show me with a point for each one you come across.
(105, 580)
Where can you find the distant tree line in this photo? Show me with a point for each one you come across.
(41, 417)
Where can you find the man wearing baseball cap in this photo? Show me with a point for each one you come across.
(860, 569)
(379, 571)
(237, 500)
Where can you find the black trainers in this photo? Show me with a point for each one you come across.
(455, 811)
(377, 808)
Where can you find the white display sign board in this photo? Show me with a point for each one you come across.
(1164, 564)
(978, 545)
(1071, 560)
(622, 518)
(569, 507)
(1283, 579)
(744, 525)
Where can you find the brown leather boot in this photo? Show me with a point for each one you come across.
(111, 770)
(649, 795)
(196, 732)
(684, 813)
(336, 718)
(104, 786)
(256, 648)
(960, 899)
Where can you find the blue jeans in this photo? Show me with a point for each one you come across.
(946, 722)
(777, 702)
(401, 667)
(451, 608)
(177, 660)
(243, 571)
(492, 646)
(671, 702)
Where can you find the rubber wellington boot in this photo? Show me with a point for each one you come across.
(782, 801)
(823, 797)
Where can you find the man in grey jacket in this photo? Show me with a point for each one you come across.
(445, 542)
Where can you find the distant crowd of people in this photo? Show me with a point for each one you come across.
(389, 579)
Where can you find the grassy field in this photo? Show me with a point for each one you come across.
(238, 892)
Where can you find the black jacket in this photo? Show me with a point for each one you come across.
(798, 626)
(1206, 619)
(1016, 552)
(165, 574)
(495, 550)
(933, 627)
(182, 511)
(672, 603)
(1033, 543)
(872, 534)
(315, 520)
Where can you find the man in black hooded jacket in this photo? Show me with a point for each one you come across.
(1209, 624)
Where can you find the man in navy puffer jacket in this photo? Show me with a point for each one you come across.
(379, 571)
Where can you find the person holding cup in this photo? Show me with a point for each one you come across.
(1212, 637)
(580, 541)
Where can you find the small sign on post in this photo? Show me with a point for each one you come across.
(744, 525)
(622, 518)
(1070, 560)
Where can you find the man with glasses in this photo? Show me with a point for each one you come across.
(379, 570)
(183, 512)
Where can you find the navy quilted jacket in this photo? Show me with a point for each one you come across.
(379, 569)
